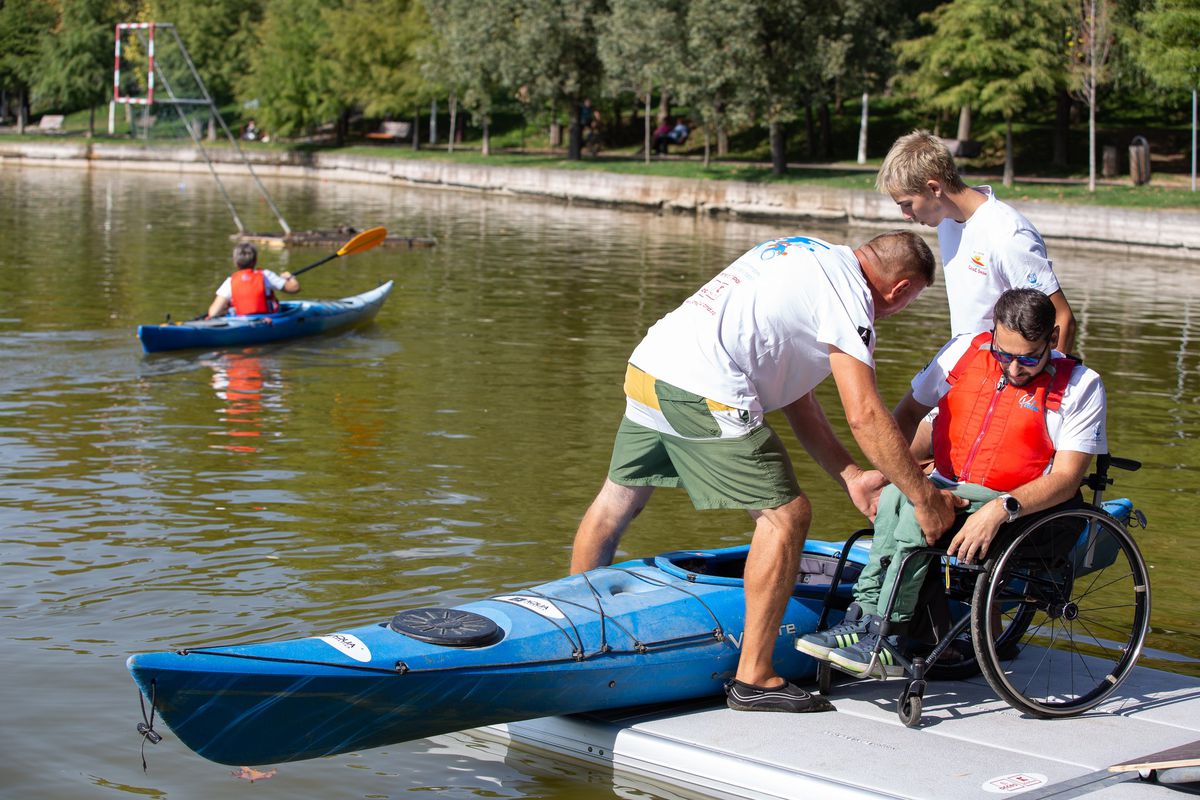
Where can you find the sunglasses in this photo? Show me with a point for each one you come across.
(1007, 358)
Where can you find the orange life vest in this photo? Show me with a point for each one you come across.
(251, 295)
(989, 432)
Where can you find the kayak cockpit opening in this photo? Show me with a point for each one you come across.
(727, 566)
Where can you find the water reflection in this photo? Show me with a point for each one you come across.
(240, 380)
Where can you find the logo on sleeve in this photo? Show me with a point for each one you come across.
(865, 335)
(1032, 278)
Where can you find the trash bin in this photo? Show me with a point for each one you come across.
(1109, 164)
(1139, 161)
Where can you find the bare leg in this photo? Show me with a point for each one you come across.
(606, 519)
(771, 569)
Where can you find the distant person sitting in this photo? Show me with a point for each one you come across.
(661, 138)
(1017, 427)
(679, 134)
(249, 290)
(250, 133)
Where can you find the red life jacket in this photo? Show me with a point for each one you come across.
(251, 294)
(989, 432)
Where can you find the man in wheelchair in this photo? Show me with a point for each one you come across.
(1017, 426)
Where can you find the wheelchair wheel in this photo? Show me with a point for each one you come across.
(1075, 587)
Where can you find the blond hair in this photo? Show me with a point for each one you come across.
(915, 158)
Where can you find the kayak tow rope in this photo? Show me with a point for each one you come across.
(146, 726)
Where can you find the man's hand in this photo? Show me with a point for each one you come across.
(936, 514)
(864, 489)
(971, 543)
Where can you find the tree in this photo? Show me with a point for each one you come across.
(1167, 42)
(997, 57)
(295, 84)
(77, 59)
(218, 34)
(718, 60)
(470, 54)
(23, 26)
(1088, 47)
(754, 50)
(859, 58)
(643, 45)
(554, 57)
(373, 48)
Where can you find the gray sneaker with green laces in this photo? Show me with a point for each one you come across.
(853, 627)
(857, 658)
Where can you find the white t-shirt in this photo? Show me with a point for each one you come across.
(269, 279)
(757, 336)
(995, 250)
(1078, 424)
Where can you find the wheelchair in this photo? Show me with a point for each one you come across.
(1055, 618)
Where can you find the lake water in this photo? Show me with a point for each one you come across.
(443, 454)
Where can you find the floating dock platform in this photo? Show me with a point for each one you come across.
(970, 745)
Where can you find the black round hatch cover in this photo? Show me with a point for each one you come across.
(451, 627)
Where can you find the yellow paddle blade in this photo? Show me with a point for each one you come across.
(364, 241)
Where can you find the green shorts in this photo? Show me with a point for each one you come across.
(750, 471)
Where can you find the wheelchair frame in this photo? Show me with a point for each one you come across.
(1033, 578)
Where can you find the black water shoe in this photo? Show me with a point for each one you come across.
(787, 698)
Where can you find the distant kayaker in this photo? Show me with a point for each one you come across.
(987, 246)
(1018, 425)
(761, 336)
(249, 290)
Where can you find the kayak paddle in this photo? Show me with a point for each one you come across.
(369, 238)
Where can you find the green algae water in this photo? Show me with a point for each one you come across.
(442, 454)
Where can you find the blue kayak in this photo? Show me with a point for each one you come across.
(652, 630)
(294, 319)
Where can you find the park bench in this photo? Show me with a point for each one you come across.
(391, 131)
(51, 123)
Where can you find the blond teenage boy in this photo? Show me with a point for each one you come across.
(987, 246)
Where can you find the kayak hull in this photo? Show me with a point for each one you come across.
(294, 319)
(646, 631)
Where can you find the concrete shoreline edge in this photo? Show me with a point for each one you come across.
(1161, 233)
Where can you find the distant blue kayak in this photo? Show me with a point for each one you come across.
(647, 631)
(293, 320)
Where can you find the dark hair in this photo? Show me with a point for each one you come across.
(245, 256)
(904, 254)
(1026, 311)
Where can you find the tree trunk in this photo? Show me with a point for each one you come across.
(964, 123)
(722, 133)
(211, 133)
(1062, 127)
(575, 137)
(486, 148)
(416, 129)
(826, 131)
(1008, 153)
(21, 109)
(433, 121)
(707, 146)
(646, 126)
(778, 156)
(810, 132)
(862, 130)
(453, 121)
(1091, 90)
(664, 106)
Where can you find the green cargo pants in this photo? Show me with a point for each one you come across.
(897, 534)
